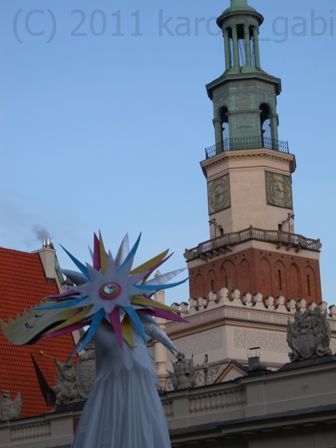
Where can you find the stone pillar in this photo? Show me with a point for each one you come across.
(235, 47)
(274, 126)
(160, 352)
(217, 122)
(228, 61)
(256, 47)
(247, 45)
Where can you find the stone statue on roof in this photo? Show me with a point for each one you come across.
(308, 335)
(184, 373)
(9, 409)
(66, 389)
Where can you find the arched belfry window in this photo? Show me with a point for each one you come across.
(241, 46)
(224, 115)
(267, 133)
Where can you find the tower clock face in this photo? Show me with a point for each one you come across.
(279, 190)
(219, 194)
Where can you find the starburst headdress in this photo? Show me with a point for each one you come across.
(110, 289)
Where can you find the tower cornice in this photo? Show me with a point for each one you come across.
(228, 13)
(249, 154)
(232, 77)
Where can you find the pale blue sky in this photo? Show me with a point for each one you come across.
(103, 131)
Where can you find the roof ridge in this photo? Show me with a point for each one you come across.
(6, 249)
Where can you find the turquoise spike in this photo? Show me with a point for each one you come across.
(80, 265)
(63, 304)
(136, 321)
(130, 256)
(92, 330)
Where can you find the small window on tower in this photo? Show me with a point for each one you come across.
(308, 285)
(225, 127)
(279, 279)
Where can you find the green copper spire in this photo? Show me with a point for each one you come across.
(244, 96)
(240, 5)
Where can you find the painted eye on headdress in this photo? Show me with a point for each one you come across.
(110, 291)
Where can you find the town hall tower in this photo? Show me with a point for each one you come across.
(253, 245)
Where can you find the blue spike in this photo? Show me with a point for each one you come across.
(89, 335)
(159, 287)
(63, 304)
(131, 254)
(80, 265)
(136, 321)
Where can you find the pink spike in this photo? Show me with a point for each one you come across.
(164, 314)
(66, 330)
(96, 253)
(115, 321)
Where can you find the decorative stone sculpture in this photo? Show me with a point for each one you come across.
(247, 300)
(212, 299)
(235, 295)
(66, 389)
(270, 303)
(202, 302)
(86, 371)
(332, 311)
(281, 307)
(9, 409)
(292, 306)
(176, 307)
(312, 306)
(224, 296)
(184, 307)
(183, 376)
(324, 308)
(193, 305)
(303, 305)
(258, 301)
(309, 335)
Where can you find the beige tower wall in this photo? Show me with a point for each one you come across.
(246, 169)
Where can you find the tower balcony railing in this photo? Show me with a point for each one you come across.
(241, 143)
(222, 243)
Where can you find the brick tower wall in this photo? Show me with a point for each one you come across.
(253, 270)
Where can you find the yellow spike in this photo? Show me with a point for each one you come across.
(139, 300)
(103, 255)
(73, 320)
(126, 329)
(150, 263)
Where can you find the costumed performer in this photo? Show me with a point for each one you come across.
(113, 301)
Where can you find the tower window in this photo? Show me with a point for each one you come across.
(212, 285)
(265, 121)
(241, 45)
(308, 285)
(225, 127)
(279, 279)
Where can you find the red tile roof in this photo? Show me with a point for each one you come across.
(22, 285)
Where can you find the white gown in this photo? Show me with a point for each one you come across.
(124, 408)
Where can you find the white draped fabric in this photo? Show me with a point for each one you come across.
(124, 409)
